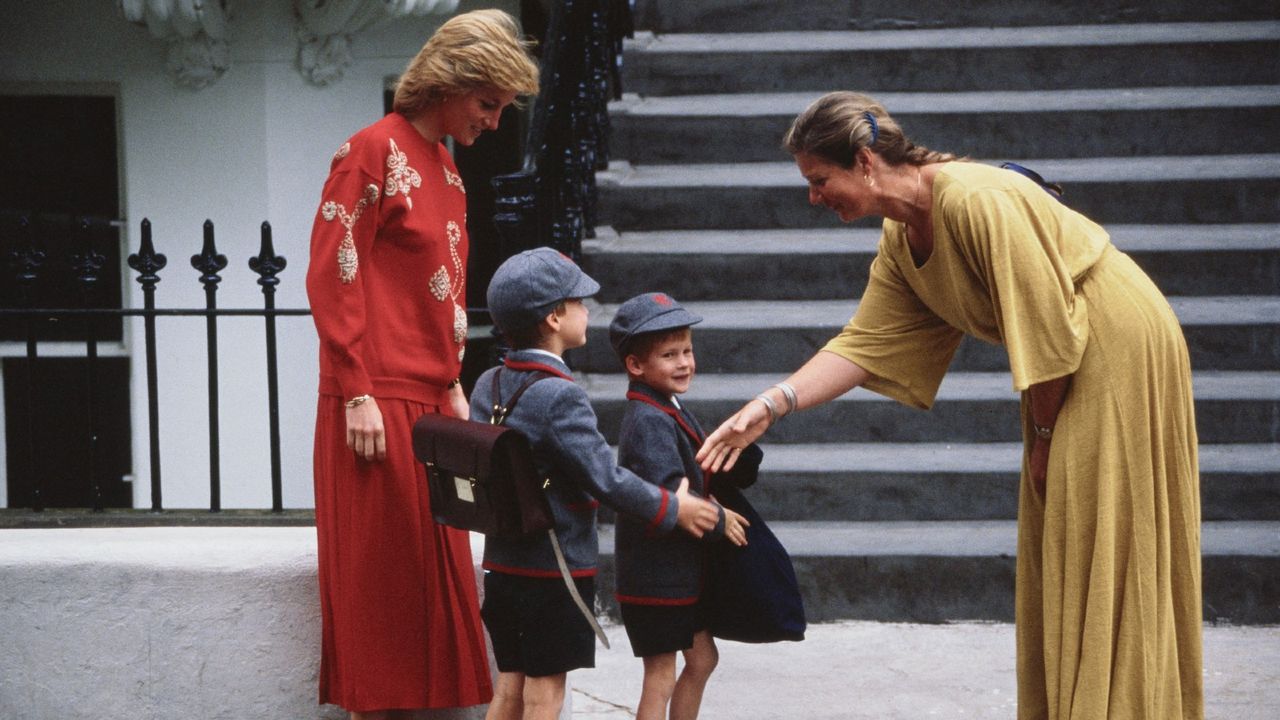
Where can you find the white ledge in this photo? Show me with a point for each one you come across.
(206, 623)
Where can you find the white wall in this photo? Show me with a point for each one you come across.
(253, 146)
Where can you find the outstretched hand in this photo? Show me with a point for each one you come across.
(694, 514)
(721, 448)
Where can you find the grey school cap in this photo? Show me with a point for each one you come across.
(529, 285)
(647, 313)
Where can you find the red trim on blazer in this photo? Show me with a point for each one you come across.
(530, 572)
(688, 429)
(675, 414)
(583, 506)
(644, 600)
(656, 522)
(536, 367)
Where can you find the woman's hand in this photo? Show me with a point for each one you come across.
(721, 449)
(1046, 401)
(365, 432)
(1039, 465)
(458, 402)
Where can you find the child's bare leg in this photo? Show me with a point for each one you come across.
(543, 697)
(699, 661)
(508, 697)
(659, 682)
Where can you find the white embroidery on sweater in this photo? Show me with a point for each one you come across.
(440, 284)
(452, 178)
(449, 285)
(400, 177)
(348, 262)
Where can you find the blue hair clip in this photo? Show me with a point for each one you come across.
(875, 128)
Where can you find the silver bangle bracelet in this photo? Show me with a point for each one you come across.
(770, 406)
(789, 393)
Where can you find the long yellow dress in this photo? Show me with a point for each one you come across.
(1108, 572)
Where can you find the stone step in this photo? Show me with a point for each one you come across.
(1169, 189)
(952, 570)
(716, 16)
(1223, 333)
(970, 481)
(995, 58)
(1030, 124)
(1231, 407)
(826, 263)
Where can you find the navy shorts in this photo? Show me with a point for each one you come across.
(661, 629)
(535, 626)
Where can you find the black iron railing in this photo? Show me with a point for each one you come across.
(27, 261)
(552, 200)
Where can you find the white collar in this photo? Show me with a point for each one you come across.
(544, 352)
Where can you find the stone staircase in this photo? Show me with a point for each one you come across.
(1162, 121)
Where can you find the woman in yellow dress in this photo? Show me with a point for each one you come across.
(1108, 570)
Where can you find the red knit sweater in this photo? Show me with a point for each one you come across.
(388, 261)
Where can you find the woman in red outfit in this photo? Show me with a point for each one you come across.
(388, 290)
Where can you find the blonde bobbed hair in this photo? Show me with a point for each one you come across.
(482, 48)
(839, 124)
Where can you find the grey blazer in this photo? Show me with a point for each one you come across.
(557, 417)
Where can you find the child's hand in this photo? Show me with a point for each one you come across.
(735, 527)
(694, 514)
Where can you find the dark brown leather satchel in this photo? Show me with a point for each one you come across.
(482, 477)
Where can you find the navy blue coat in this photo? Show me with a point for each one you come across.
(557, 417)
(658, 444)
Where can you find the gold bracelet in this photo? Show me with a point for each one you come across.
(358, 400)
(453, 383)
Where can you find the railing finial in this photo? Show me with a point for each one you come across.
(89, 263)
(209, 261)
(147, 262)
(266, 263)
(26, 259)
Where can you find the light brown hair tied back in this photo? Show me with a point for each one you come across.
(839, 124)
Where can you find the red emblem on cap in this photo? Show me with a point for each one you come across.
(661, 299)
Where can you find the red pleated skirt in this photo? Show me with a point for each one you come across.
(401, 616)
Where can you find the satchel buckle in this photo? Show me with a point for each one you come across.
(499, 415)
(464, 488)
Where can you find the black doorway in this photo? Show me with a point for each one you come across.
(61, 176)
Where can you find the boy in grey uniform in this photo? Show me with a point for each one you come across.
(538, 633)
(661, 577)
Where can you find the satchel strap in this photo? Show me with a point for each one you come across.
(500, 411)
(573, 590)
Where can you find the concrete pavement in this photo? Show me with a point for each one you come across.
(887, 671)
